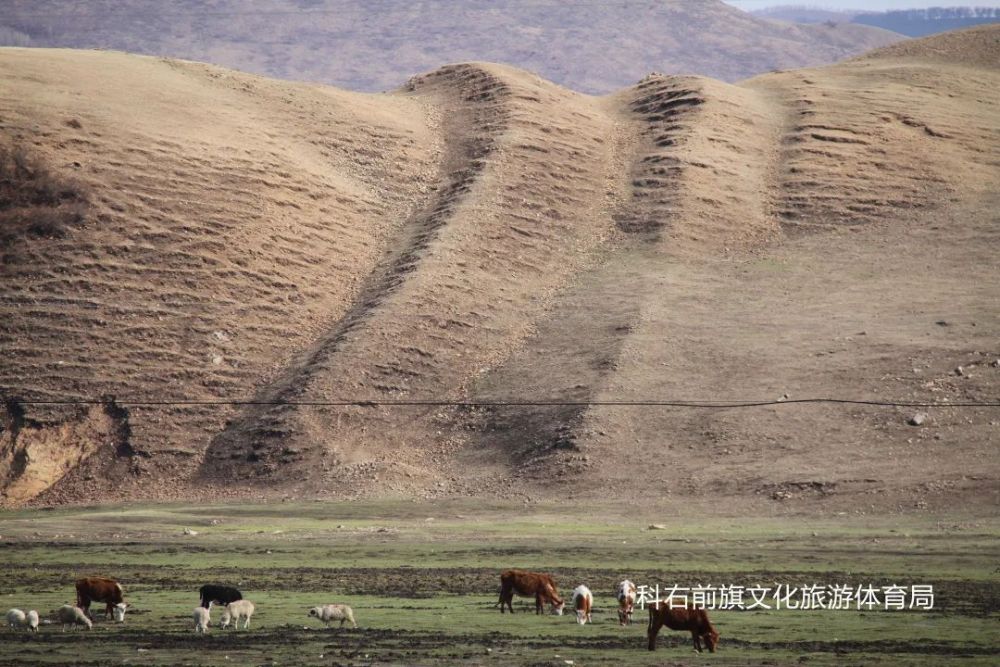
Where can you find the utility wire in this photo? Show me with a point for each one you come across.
(722, 405)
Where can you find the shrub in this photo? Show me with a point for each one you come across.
(34, 202)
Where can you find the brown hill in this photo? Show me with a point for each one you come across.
(180, 232)
(593, 47)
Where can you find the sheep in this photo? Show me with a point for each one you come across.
(235, 611)
(201, 619)
(32, 618)
(70, 615)
(333, 612)
(15, 618)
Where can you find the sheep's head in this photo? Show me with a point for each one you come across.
(314, 611)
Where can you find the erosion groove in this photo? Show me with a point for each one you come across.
(483, 234)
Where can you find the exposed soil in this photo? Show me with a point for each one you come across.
(485, 235)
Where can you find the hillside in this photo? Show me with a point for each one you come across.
(182, 232)
(591, 47)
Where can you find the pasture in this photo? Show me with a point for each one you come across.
(423, 579)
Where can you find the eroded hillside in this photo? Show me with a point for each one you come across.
(484, 235)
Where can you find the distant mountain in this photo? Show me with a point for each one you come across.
(368, 46)
(804, 14)
(921, 22)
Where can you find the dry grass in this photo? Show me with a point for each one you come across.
(34, 202)
(485, 234)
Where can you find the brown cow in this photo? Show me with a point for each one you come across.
(101, 589)
(530, 584)
(681, 618)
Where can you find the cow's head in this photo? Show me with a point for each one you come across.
(557, 609)
(118, 612)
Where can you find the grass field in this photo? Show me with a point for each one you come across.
(423, 580)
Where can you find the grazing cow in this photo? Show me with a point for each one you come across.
(69, 615)
(218, 594)
(235, 611)
(101, 589)
(626, 601)
(583, 600)
(530, 584)
(682, 618)
(333, 612)
(201, 619)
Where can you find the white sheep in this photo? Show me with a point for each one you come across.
(32, 618)
(333, 612)
(201, 619)
(70, 615)
(235, 611)
(15, 618)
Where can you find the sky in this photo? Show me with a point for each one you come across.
(874, 5)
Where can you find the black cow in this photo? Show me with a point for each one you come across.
(221, 595)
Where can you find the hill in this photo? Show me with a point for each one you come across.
(588, 46)
(179, 234)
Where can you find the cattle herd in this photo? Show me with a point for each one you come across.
(537, 585)
(667, 613)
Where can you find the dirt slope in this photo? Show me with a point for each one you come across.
(483, 234)
(593, 47)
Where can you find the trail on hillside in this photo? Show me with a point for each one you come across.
(482, 234)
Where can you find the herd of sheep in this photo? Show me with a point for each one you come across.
(234, 612)
(110, 592)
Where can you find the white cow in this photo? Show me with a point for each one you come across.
(583, 601)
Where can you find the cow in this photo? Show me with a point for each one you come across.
(530, 584)
(101, 589)
(223, 595)
(583, 600)
(625, 593)
(687, 618)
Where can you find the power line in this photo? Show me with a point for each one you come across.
(722, 405)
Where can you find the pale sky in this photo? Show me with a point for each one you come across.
(874, 5)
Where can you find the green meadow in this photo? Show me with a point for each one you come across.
(423, 581)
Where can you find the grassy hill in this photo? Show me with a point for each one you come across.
(485, 235)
